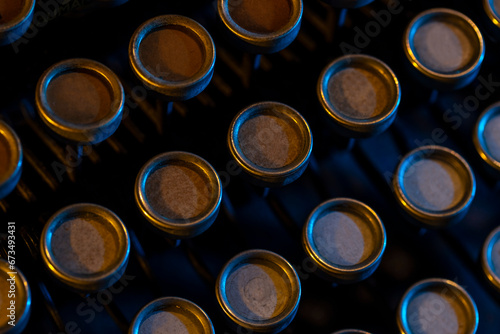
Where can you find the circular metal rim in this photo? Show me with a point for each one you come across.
(257, 39)
(264, 325)
(165, 302)
(428, 217)
(179, 228)
(173, 88)
(492, 14)
(465, 298)
(351, 331)
(26, 12)
(9, 181)
(270, 174)
(91, 282)
(490, 241)
(338, 271)
(412, 56)
(86, 133)
(478, 136)
(21, 281)
(382, 120)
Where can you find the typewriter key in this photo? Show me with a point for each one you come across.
(492, 11)
(261, 26)
(487, 136)
(345, 239)
(360, 94)
(490, 258)
(444, 47)
(173, 55)
(351, 331)
(86, 247)
(437, 306)
(434, 185)
(15, 19)
(259, 290)
(13, 288)
(271, 142)
(179, 193)
(11, 159)
(171, 315)
(81, 100)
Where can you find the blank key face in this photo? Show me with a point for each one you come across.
(257, 291)
(260, 16)
(79, 97)
(443, 46)
(343, 238)
(433, 185)
(177, 192)
(358, 93)
(433, 312)
(269, 141)
(9, 9)
(172, 53)
(4, 158)
(84, 246)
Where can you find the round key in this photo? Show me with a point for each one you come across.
(261, 26)
(347, 3)
(179, 193)
(492, 11)
(173, 55)
(487, 137)
(171, 315)
(444, 48)
(345, 239)
(351, 331)
(272, 142)
(11, 159)
(360, 95)
(435, 186)
(15, 307)
(86, 247)
(81, 100)
(15, 19)
(259, 291)
(490, 258)
(437, 306)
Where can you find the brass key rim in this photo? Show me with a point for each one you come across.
(87, 282)
(179, 228)
(288, 273)
(340, 273)
(180, 305)
(442, 285)
(460, 77)
(174, 90)
(11, 31)
(264, 42)
(271, 177)
(9, 180)
(486, 261)
(360, 127)
(81, 133)
(478, 136)
(430, 218)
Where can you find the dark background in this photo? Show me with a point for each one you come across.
(200, 126)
